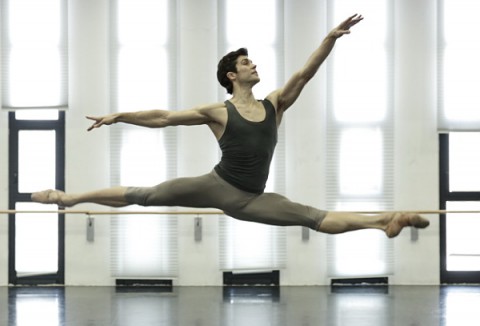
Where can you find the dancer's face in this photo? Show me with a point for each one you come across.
(246, 70)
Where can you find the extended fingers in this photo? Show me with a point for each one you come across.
(356, 19)
(96, 124)
(92, 126)
(344, 27)
(351, 21)
(93, 118)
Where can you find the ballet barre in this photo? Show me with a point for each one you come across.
(214, 212)
(96, 213)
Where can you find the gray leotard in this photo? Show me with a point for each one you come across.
(247, 149)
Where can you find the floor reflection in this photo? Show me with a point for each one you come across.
(461, 305)
(241, 306)
(359, 305)
(28, 306)
(252, 306)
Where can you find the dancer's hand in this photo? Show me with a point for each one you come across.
(344, 27)
(100, 121)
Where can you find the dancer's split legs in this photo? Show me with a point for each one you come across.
(391, 223)
(114, 197)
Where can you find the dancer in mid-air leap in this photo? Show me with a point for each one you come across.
(246, 130)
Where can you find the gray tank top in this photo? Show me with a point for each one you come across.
(247, 149)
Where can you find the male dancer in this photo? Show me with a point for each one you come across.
(246, 130)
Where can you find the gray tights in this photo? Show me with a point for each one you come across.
(211, 191)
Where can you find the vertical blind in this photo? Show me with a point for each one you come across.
(459, 67)
(142, 78)
(360, 137)
(246, 245)
(34, 54)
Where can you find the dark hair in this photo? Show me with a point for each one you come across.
(228, 64)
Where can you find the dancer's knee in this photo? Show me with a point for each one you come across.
(314, 218)
(137, 195)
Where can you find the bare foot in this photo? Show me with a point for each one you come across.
(400, 220)
(49, 196)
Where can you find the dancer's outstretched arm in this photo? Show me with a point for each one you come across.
(205, 114)
(285, 96)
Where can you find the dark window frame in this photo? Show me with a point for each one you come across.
(15, 126)
(446, 195)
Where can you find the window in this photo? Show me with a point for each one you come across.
(262, 35)
(459, 79)
(360, 138)
(464, 162)
(36, 241)
(142, 54)
(460, 249)
(459, 119)
(35, 79)
(34, 53)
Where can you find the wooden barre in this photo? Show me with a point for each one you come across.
(11, 211)
(217, 212)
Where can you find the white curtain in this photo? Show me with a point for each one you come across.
(245, 245)
(142, 78)
(34, 54)
(360, 137)
(459, 67)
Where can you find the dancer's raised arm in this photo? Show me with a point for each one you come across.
(284, 97)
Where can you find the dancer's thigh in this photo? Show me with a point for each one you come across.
(275, 209)
(191, 192)
(208, 190)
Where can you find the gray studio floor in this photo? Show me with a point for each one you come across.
(242, 306)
